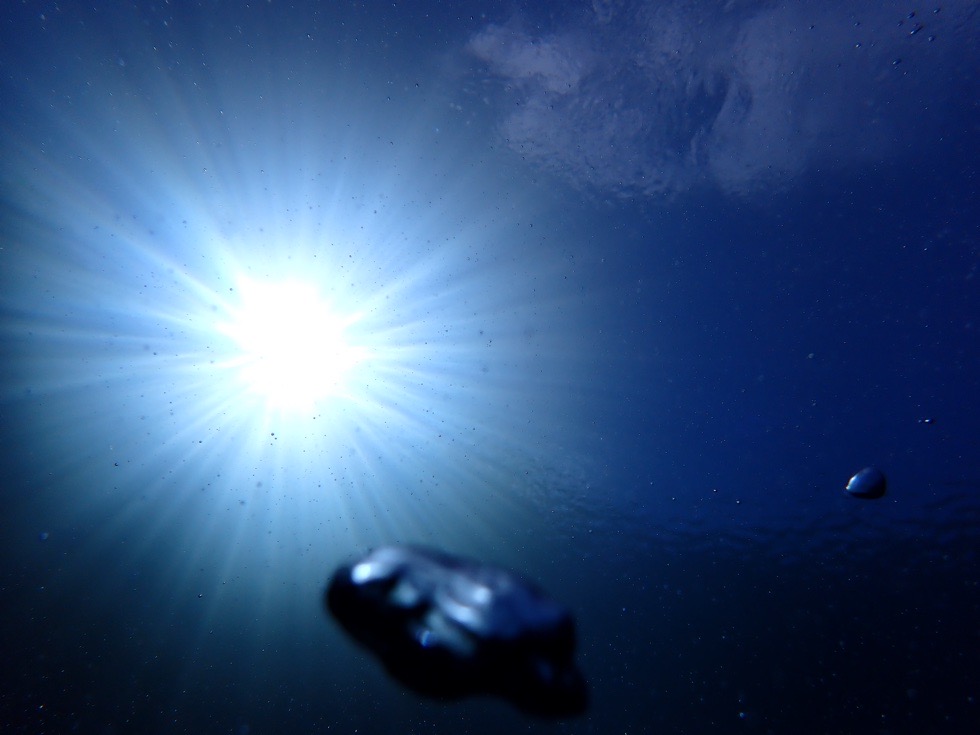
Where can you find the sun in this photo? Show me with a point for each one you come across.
(292, 348)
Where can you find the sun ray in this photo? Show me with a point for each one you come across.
(293, 349)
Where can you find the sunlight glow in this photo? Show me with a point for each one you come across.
(294, 348)
(268, 327)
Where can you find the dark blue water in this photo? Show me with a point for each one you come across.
(637, 288)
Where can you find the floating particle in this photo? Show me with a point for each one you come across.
(869, 483)
(449, 628)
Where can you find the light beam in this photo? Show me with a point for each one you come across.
(294, 349)
(221, 293)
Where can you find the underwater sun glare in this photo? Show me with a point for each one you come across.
(294, 348)
(249, 305)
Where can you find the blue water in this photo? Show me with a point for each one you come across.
(640, 286)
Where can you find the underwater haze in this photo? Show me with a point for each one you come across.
(617, 296)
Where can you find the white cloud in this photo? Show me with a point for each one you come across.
(555, 64)
(652, 98)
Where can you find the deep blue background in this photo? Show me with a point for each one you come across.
(729, 357)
